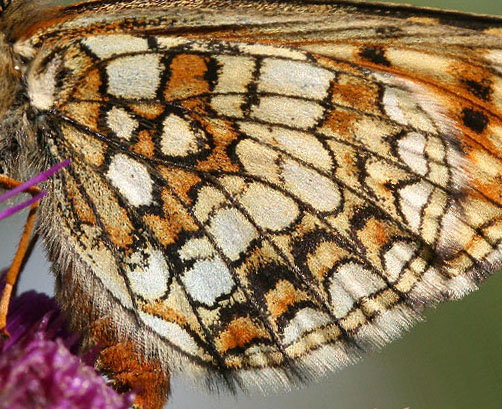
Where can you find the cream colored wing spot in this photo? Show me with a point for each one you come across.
(168, 42)
(294, 112)
(396, 258)
(229, 105)
(209, 199)
(269, 208)
(234, 184)
(197, 248)
(132, 180)
(497, 81)
(413, 199)
(392, 106)
(358, 280)
(134, 76)
(105, 266)
(435, 149)
(201, 47)
(495, 58)
(232, 232)
(311, 187)
(121, 123)
(412, 104)
(417, 61)
(294, 78)
(341, 300)
(260, 355)
(258, 160)
(305, 320)
(271, 51)
(173, 332)
(455, 234)
(352, 281)
(106, 46)
(438, 172)
(406, 109)
(341, 51)
(208, 280)
(150, 280)
(179, 139)
(411, 149)
(235, 74)
(301, 145)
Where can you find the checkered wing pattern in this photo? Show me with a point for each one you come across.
(266, 194)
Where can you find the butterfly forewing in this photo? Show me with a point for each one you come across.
(266, 191)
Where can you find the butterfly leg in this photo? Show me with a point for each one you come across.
(22, 250)
(128, 369)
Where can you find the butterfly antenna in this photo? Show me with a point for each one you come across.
(24, 244)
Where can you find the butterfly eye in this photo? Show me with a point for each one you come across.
(30, 115)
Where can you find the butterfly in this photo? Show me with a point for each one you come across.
(259, 192)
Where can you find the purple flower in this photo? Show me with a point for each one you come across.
(38, 369)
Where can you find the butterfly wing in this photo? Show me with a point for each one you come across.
(266, 195)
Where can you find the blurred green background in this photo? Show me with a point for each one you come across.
(470, 6)
(453, 360)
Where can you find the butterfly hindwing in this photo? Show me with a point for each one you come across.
(273, 192)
